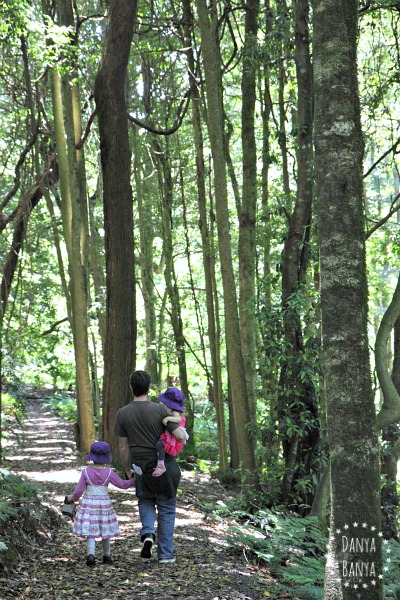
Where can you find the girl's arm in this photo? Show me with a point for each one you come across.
(172, 419)
(79, 489)
(122, 484)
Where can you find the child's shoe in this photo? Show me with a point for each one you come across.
(107, 560)
(90, 561)
(160, 469)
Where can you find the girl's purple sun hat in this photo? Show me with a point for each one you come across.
(100, 453)
(173, 398)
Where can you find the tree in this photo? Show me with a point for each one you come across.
(241, 409)
(248, 205)
(298, 396)
(120, 343)
(351, 420)
(67, 126)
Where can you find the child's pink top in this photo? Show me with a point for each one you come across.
(171, 444)
(100, 477)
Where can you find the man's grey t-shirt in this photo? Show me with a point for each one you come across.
(141, 423)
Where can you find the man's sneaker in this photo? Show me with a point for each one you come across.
(90, 561)
(159, 470)
(147, 543)
(165, 561)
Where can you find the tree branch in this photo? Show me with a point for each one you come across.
(390, 410)
(392, 149)
(54, 327)
(178, 119)
(392, 211)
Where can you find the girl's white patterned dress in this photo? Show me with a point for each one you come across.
(96, 516)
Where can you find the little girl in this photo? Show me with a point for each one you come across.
(96, 516)
(174, 399)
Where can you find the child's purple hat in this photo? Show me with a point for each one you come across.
(100, 453)
(173, 398)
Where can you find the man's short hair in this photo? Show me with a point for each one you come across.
(140, 383)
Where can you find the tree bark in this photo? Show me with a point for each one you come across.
(247, 211)
(207, 241)
(120, 344)
(212, 69)
(351, 420)
(298, 397)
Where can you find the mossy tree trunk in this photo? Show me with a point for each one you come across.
(351, 420)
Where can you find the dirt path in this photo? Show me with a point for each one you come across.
(55, 569)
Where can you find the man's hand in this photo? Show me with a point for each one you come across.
(125, 455)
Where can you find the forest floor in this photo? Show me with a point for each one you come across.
(52, 565)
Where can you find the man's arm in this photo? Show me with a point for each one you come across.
(125, 455)
(179, 434)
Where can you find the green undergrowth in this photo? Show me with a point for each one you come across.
(64, 405)
(293, 548)
(24, 519)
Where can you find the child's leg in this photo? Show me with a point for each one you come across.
(91, 551)
(160, 468)
(106, 546)
(106, 550)
(91, 546)
(160, 450)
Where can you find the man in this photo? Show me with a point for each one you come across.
(139, 426)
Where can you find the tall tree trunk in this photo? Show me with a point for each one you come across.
(247, 212)
(298, 397)
(212, 69)
(351, 420)
(206, 243)
(271, 440)
(72, 224)
(120, 344)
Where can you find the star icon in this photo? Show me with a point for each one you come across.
(355, 524)
(373, 528)
(364, 525)
(346, 526)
